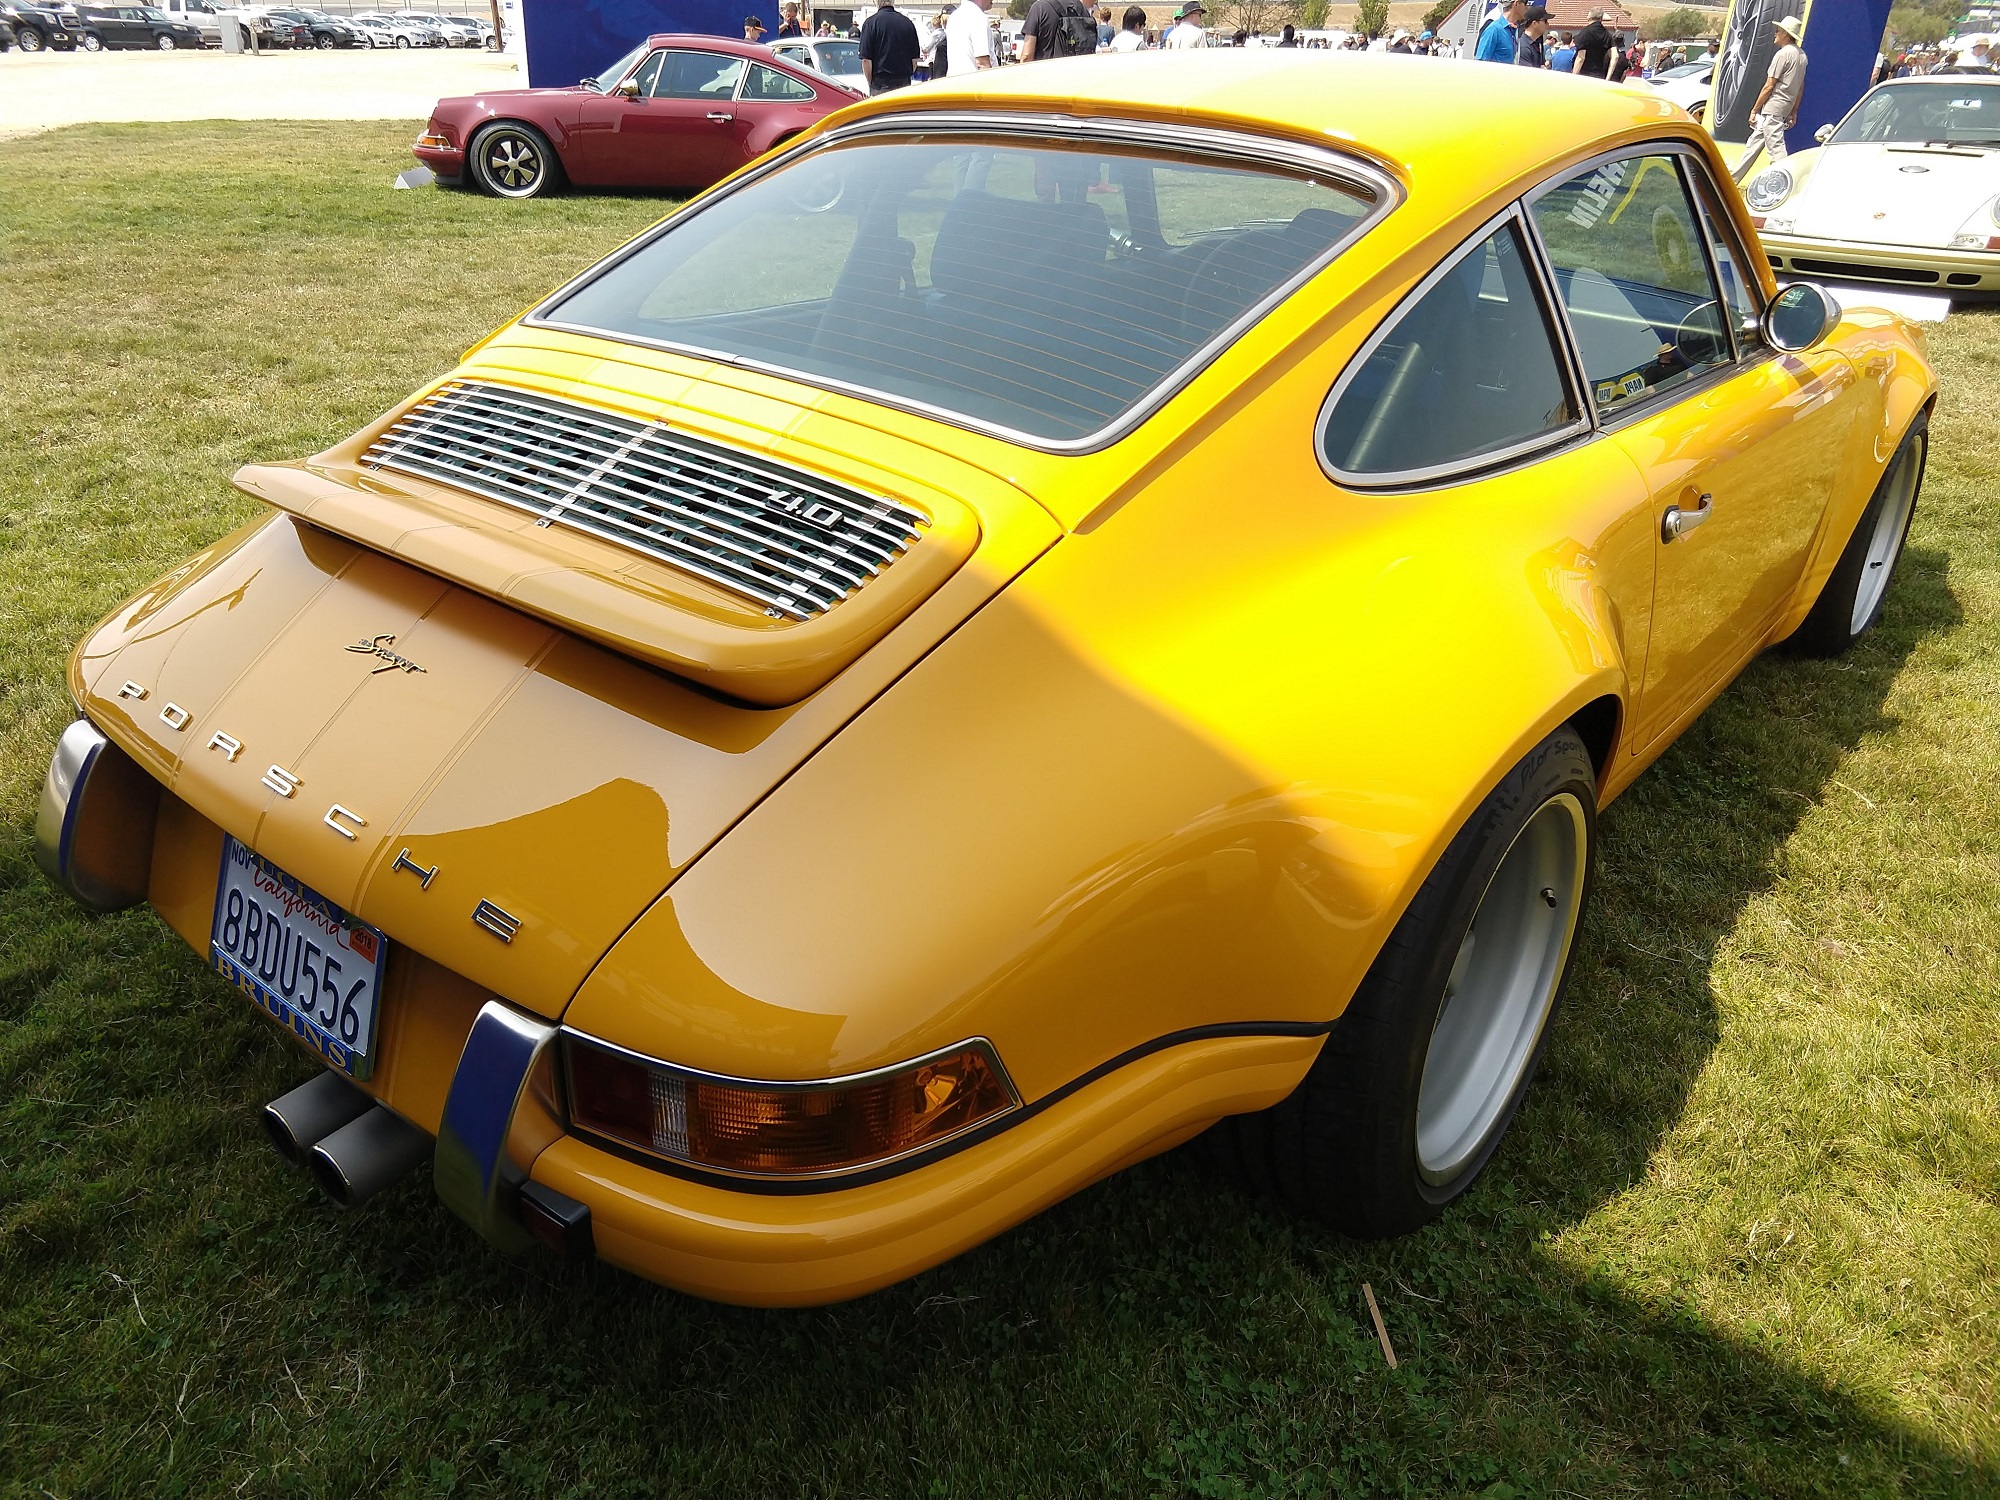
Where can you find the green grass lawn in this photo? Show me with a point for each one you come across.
(1745, 1239)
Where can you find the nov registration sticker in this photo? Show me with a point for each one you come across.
(303, 960)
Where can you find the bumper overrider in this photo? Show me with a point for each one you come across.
(741, 1190)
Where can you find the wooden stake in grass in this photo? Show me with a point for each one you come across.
(1381, 1331)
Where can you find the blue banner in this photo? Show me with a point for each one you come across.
(570, 40)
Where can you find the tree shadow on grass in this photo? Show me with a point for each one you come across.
(1155, 1334)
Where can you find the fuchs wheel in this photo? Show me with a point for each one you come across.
(513, 161)
(1851, 601)
(90, 41)
(165, 43)
(29, 40)
(1423, 1073)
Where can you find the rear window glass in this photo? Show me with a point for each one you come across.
(1046, 288)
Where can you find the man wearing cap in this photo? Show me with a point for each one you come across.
(753, 29)
(1501, 33)
(1777, 106)
(1594, 46)
(1187, 33)
(1528, 47)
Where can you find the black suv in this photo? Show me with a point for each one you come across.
(134, 26)
(38, 30)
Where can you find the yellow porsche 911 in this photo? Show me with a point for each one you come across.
(1062, 610)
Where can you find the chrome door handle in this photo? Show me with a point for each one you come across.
(1678, 523)
(719, 118)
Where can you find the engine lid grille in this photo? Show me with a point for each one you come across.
(793, 542)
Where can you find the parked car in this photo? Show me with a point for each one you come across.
(455, 31)
(199, 14)
(919, 682)
(327, 32)
(831, 57)
(379, 33)
(37, 29)
(1905, 190)
(271, 32)
(1688, 85)
(674, 112)
(133, 27)
(407, 30)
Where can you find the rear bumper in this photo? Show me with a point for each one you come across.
(479, 1075)
(1956, 273)
(802, 1248)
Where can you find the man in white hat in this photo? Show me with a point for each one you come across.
(1777, 106)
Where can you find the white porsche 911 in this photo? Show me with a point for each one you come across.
(1904, 191)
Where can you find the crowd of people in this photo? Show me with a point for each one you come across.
(897, 51)
(1973, 55)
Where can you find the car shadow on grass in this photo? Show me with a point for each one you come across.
(182, 1307)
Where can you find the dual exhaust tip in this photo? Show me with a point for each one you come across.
(353, 1146)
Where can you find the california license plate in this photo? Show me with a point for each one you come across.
(306, 962)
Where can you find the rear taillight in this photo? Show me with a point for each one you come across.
(784, 1129)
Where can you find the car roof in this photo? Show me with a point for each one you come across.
(1942, 80)
(1498, 122)
(730, 44)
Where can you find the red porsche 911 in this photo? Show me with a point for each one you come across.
(674, 112)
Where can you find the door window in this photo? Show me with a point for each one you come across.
(1630, 266)
(647, 74)
(698, 75)
(1466, 371)
(769, 83)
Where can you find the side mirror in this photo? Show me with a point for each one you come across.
(1798, 317)
(629, 89)
(1823, 134)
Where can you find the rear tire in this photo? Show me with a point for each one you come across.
(512, 160)
(1422, 1075)
(1851, 601)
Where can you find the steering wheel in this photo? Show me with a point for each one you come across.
(1703, 338)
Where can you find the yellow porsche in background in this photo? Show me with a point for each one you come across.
(1065, 609)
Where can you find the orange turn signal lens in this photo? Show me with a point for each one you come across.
(784, 1129)
(432, 141)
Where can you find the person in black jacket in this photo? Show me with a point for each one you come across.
(1594, 46)
(889, 48)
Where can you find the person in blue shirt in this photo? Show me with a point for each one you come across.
(1501, 34)
(1564, 60)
